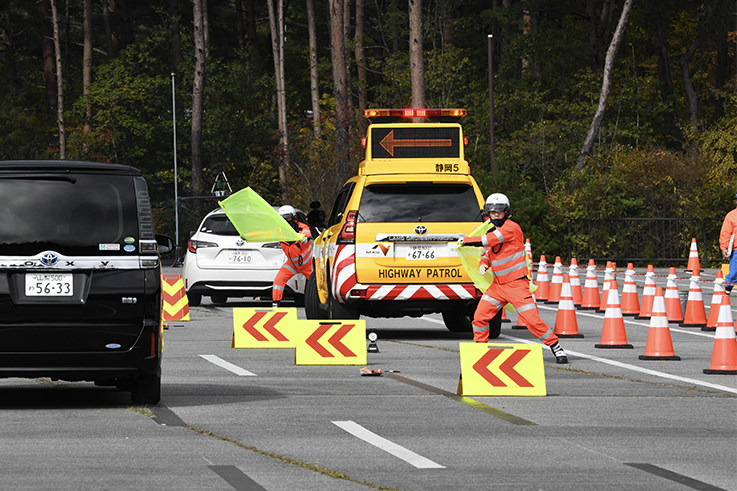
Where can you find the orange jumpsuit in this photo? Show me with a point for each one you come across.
(729, 230)
(299, 260)
(504, 253)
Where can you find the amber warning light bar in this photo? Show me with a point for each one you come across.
(414, 113)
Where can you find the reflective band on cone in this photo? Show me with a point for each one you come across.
(608, 277)
(543, 284)
(613, 335)
(695, 315)
(575, 282)
(566, 324)
(557, 284)
(724, 354)
(591, 299)
(648, 294)
(718, 297)
(673, 299)
(630, 300)
(659, 344)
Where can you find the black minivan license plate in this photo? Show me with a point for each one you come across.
(49, 284)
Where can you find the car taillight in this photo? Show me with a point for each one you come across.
(348, 232)
(193, 245)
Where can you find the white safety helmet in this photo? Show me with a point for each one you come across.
(497, 202)
(287, 212)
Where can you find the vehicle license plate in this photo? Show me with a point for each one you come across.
(417, 252)
(240, 257)
(49, 284)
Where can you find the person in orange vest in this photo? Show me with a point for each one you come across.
(299, 254)
(726, 244)
(504, 254)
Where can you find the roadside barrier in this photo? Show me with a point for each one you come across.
(543, 284)
(591, 299)
(575, 282)
(613, 334)
(659, 343)
(724, 354)
(695, 315)
(673, 299)
(566, 324)
(693, 259)
(557, 284)
(648, 294)
(630, 300)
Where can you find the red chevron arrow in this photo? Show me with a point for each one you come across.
(269, 326)
(482, 367)
(335, 340)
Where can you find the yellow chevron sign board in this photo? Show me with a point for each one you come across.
(174, 299)
(264, 327)
(331, 342)
(493, 369)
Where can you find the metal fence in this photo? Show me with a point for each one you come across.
(657, 241)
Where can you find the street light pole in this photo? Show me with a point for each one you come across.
(491, 103)
(177, 258)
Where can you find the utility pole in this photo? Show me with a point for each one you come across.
(491, 103)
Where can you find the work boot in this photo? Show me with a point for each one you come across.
(275, 305)
(560, 354)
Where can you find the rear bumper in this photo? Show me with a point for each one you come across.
(435, 292)
(79, 366)
(232, 288)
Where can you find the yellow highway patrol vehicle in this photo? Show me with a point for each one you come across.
(389, 249)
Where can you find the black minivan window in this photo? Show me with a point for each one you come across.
(419, 202)
(80, 214)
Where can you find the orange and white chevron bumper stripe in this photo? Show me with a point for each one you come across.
(421, 292)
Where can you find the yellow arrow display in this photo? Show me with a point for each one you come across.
(388, 142)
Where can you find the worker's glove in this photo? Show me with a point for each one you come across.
(472, 241)
(303, 238)
(483, 268)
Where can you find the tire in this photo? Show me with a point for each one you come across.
(146, 389)
(337, 310)
(194, 299)
(457, 321)
(218, 299)
(313, 308)
(299, 300)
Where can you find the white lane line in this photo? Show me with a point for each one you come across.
(722, 388)
(228, 366)
(398, 451)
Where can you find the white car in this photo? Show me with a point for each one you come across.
(220, 264)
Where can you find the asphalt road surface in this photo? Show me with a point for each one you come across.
(250, 419)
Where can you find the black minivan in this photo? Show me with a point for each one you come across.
(80, 276)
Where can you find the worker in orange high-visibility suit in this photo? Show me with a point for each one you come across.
(299, 255)
(728, 245)
(504, 253)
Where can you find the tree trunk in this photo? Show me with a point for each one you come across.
(314, 86)
(416, 65)
(250, 9)
(59, 84)
(6, 37)
(176, 40)
(198, 89)
(87, 64)
(108, 29)
(340, 85)
(362, 67)
(47, 53)
(240, 27)
(276, 20)
(691, 96)
(588, 144)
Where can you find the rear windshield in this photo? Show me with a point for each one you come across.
(218, 225)
(73, 214)
(419, 202)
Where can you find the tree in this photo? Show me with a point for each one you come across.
(314, 76)
(59, 84)
(87, 62)
(276, 19)
(416, 65)
(588, 143)
(198, 89)
(340, 84)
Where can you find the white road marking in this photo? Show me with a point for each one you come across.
(398, 451)
(228, 366)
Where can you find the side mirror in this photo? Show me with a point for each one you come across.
(165, 243)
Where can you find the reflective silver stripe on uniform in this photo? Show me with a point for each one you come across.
(300, 260)
(481, 329)
(525, 308)
(497, 266)
(547, 334)
(499, 235)
(278, 287)
(492, 301)
(484, 242)
(290, 268)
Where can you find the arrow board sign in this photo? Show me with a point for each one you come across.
(331, 342)
(264, 328)
(502, 369)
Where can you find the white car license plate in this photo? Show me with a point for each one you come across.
(241, 257)
(416, 252)
(49, 284)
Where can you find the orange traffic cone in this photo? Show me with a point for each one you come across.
(542, 282)
(719, 296)
(557, 284)
(575, 282)
(724, 354)
(566, 324)
(673, 299)
(590, 299)
(659, 344)
(630, 300)
(504, 316)
(695, 315)
(608, 277)
(613, 335)
(693, 259)
(648, 294)
(528, 251)
(521, 324)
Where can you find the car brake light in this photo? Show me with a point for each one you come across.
(193, 245)
(348, 232)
